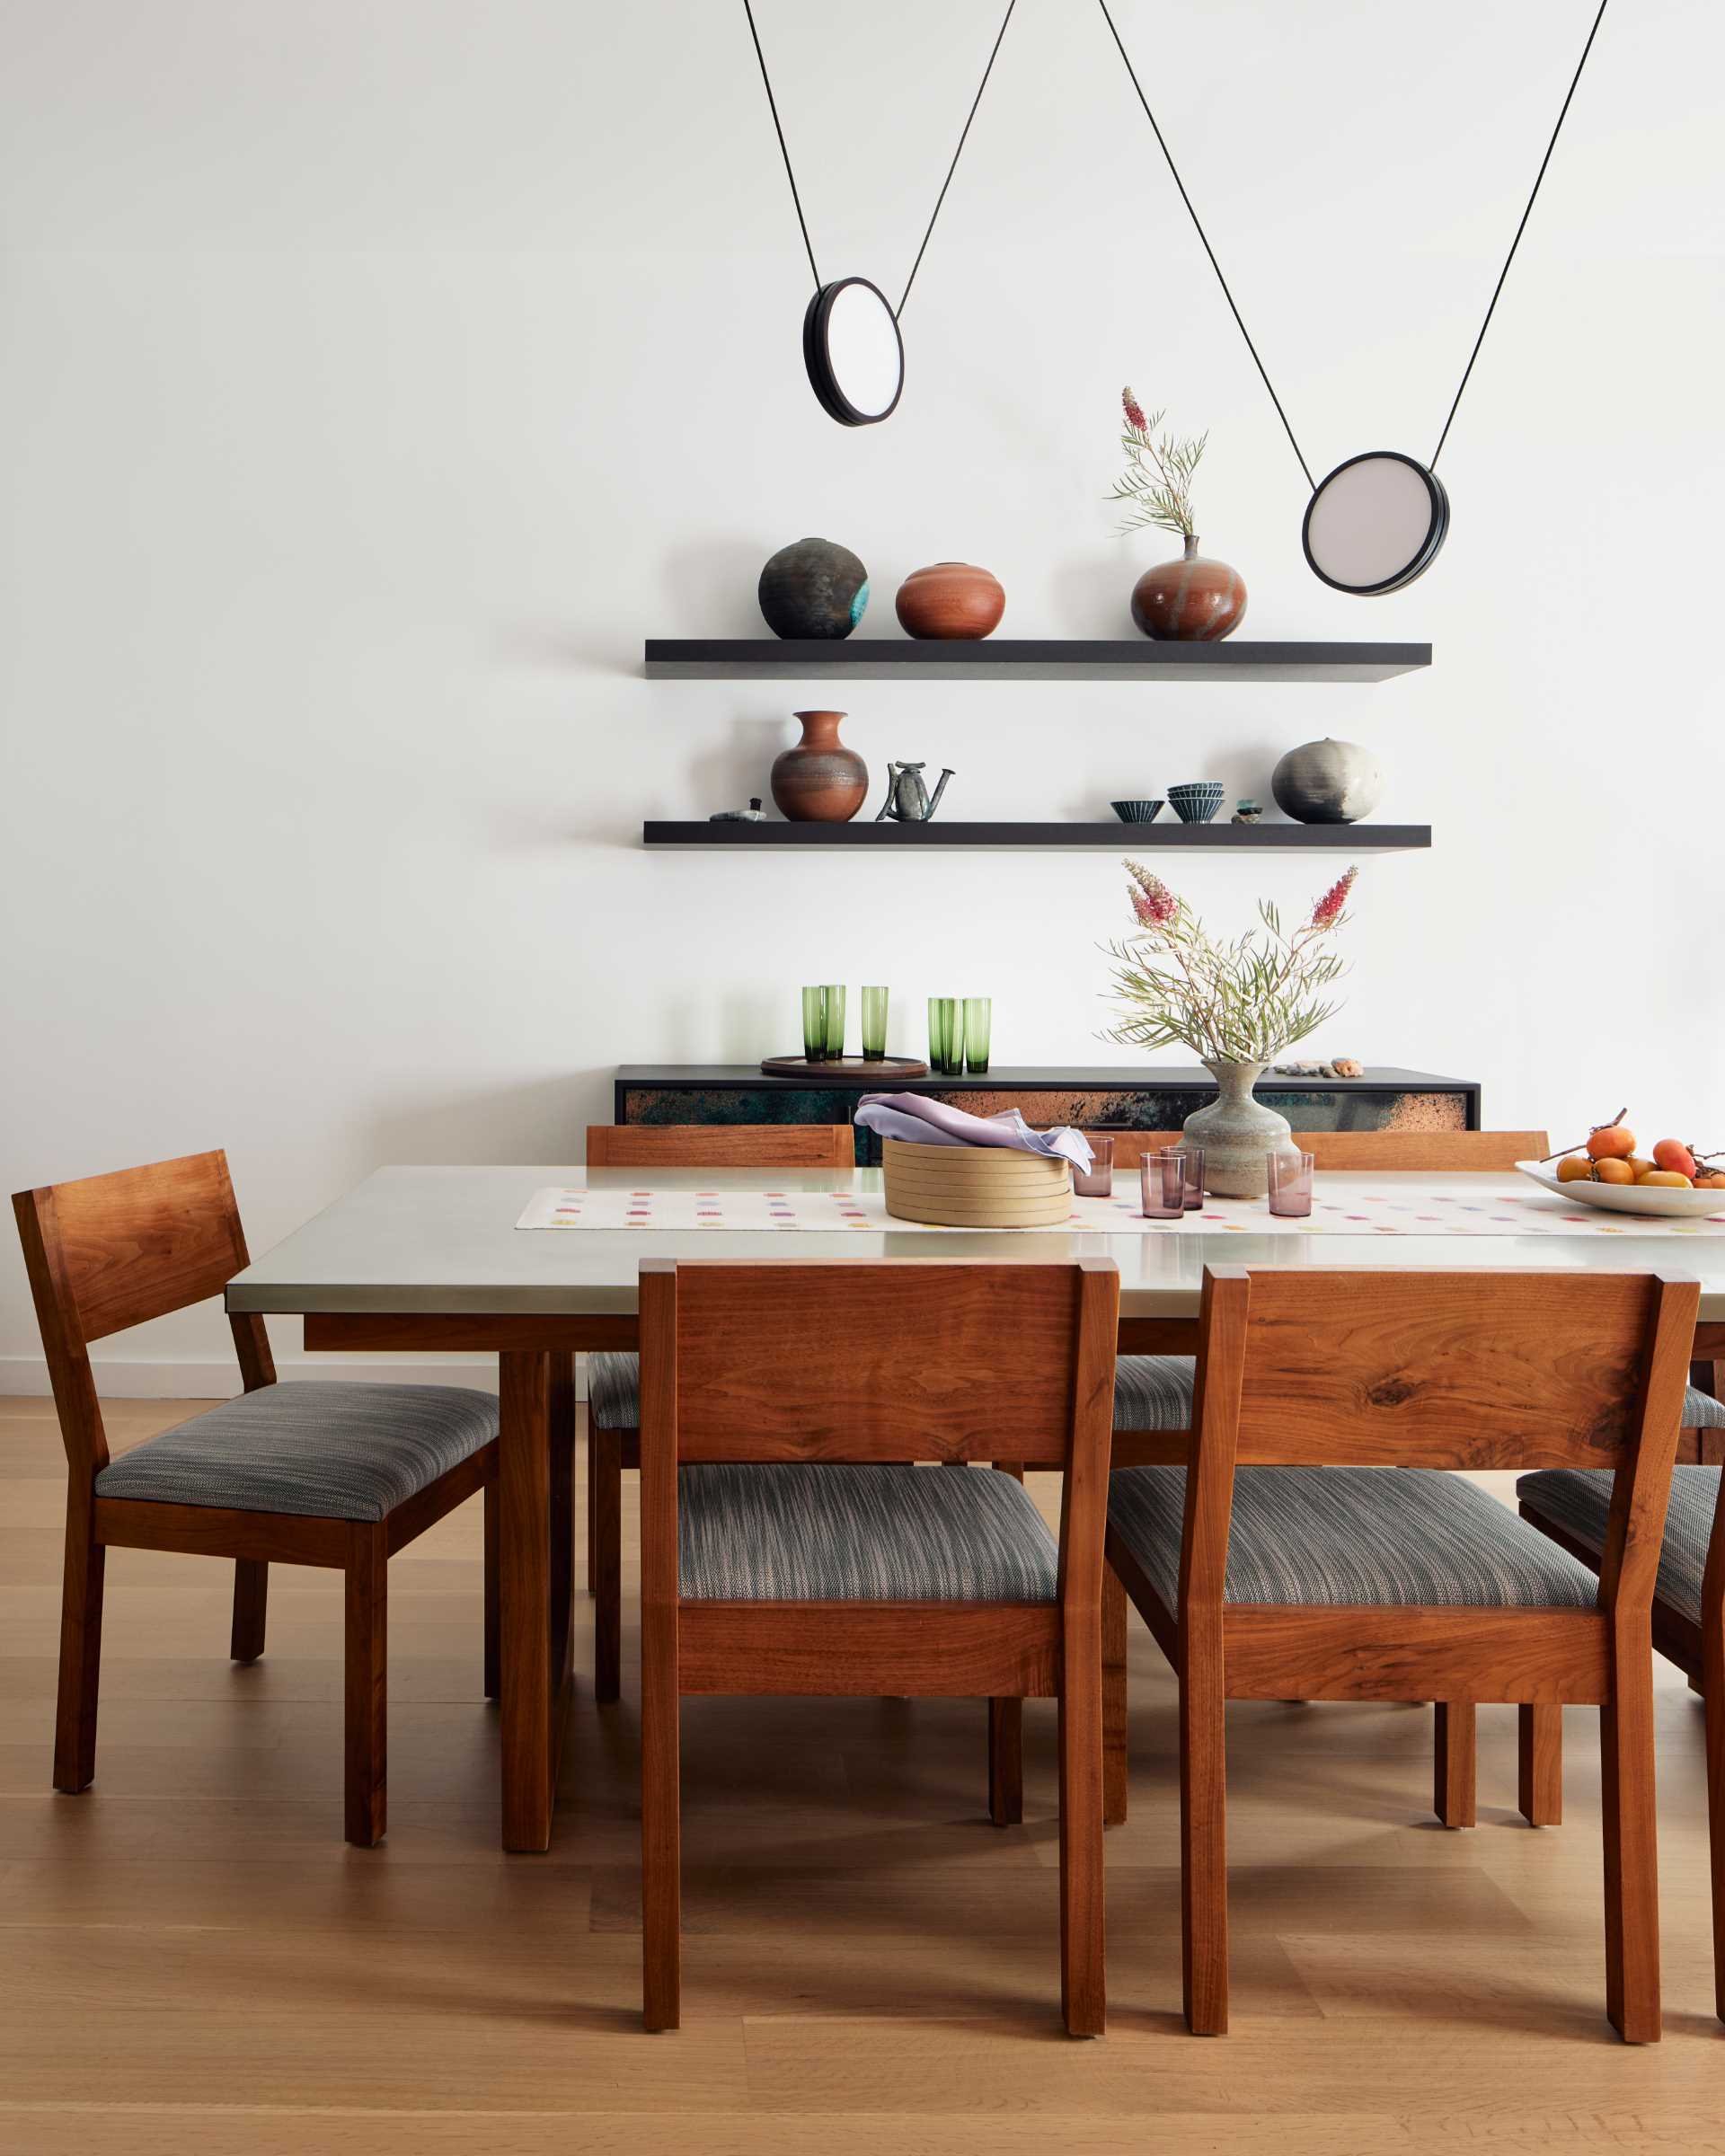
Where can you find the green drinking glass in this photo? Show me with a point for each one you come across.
(979, 1020)
(814, 1024)
(834, 996)
(946, 1035)
(874, 1024)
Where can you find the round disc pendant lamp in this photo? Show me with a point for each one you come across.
(852, 349)
(1379, 519)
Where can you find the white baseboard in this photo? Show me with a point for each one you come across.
(217, 1378)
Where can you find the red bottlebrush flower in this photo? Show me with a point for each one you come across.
(1133, 409)
(1153, 902)
(1327, 911)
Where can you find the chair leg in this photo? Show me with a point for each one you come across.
(1455, 1758)
(1540, 1763)
(1114, 1760)
(592, 1506)
(1627, 1804)
(493, 1626)
(250, 1603)
(1712, 1685)
(604, 1470)
(74, 1720)
(1083, 1971)
(661, 1823)
(1204, 1850)
(367, 1690)
(1006, 1762)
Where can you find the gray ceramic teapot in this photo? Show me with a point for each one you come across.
(907, 798)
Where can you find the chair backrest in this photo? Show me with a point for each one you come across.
(1430, 1369)
(721, 1146)
(879, 1361)
(111, 1252)
(1414, 1152)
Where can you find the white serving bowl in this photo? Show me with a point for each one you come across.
(1656, 1203)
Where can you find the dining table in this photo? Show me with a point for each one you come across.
(431, 1260)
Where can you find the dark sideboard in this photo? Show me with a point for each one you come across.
(1144, 1096)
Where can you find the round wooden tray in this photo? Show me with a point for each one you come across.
(846, 1070)
(975, 1186)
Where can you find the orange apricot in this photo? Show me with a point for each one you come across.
(1612, 1142)
(1640, 1165)
(1672, 1153)
(1574, 1168)
(1611, 1170)
(1665, 1178)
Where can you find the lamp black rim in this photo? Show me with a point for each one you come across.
(1437, 531)
(822, 380)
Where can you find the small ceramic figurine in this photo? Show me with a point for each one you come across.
(1246, 812)
(753, 814)
(907, 798)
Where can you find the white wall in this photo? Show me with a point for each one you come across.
(373, 378)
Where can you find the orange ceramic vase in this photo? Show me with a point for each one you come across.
(951, 600)
(820, 781)
(1189, 601)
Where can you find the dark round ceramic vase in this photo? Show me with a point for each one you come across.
(813, 589)
(951, 600)
(1189, 601)
(820, 781)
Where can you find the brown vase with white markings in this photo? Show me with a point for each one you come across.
(1193, 600)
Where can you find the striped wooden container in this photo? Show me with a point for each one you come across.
(975, 1186)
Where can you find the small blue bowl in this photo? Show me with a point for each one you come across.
(1136, 812)
(1198, 802)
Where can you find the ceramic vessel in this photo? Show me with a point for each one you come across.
(1236, 1131)
(1189, 601)
(1136, 812)
(950, 599)
(1197, 801)
(820, 781)
(1327, 783)
(814, 589)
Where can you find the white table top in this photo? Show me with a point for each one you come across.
(431, 1240)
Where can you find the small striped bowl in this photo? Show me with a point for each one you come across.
(1136, 812)
(1198, 802)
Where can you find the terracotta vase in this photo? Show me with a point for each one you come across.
(1236, 1131)
(820, 781)
(951, 600)
(1189, 601)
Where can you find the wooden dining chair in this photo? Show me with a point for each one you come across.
(1574, 1507)
(613, 1408)
(1364, 1152)
(341, 1475)
(788, 1545)
(1283, 1563)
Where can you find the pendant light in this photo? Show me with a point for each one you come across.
(851, 345)
(1378, 520)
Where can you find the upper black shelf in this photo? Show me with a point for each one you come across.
(1016, 659)
(1116, 837)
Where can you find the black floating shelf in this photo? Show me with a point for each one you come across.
(1011, 658)
(1116, 837)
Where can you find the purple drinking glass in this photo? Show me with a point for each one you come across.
(1194, 1177)
(1097, 1180)
(1291, 1184)
(1162, 1184)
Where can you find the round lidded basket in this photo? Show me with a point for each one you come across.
(975, 1186)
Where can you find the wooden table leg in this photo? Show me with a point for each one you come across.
(534, 1632)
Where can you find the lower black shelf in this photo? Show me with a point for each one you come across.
(1115, 837)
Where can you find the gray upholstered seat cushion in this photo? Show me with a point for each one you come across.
(838, 1534)
(1578, 1499)
(1332, 1536)
(1151, 1392)
(337, 1452)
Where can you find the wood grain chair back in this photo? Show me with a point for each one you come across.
(110, 1251)
(720, 1145)
(1359, 1151)
(880, 1362)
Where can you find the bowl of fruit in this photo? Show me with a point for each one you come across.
(1674, 1181)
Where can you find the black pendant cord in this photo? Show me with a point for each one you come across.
(941, 197)
(1209, 249)
(773, 104)
(1520, 229)
(957, 153)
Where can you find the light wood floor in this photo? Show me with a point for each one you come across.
(192, 1960)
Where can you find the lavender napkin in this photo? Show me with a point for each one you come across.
(920, 1122)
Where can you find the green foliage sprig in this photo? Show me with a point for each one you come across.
(1158, 483)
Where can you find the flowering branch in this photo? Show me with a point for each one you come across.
(1243, 1000)
(1157, 482)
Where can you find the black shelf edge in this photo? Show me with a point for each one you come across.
(1116, 837)
(1008, 659)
